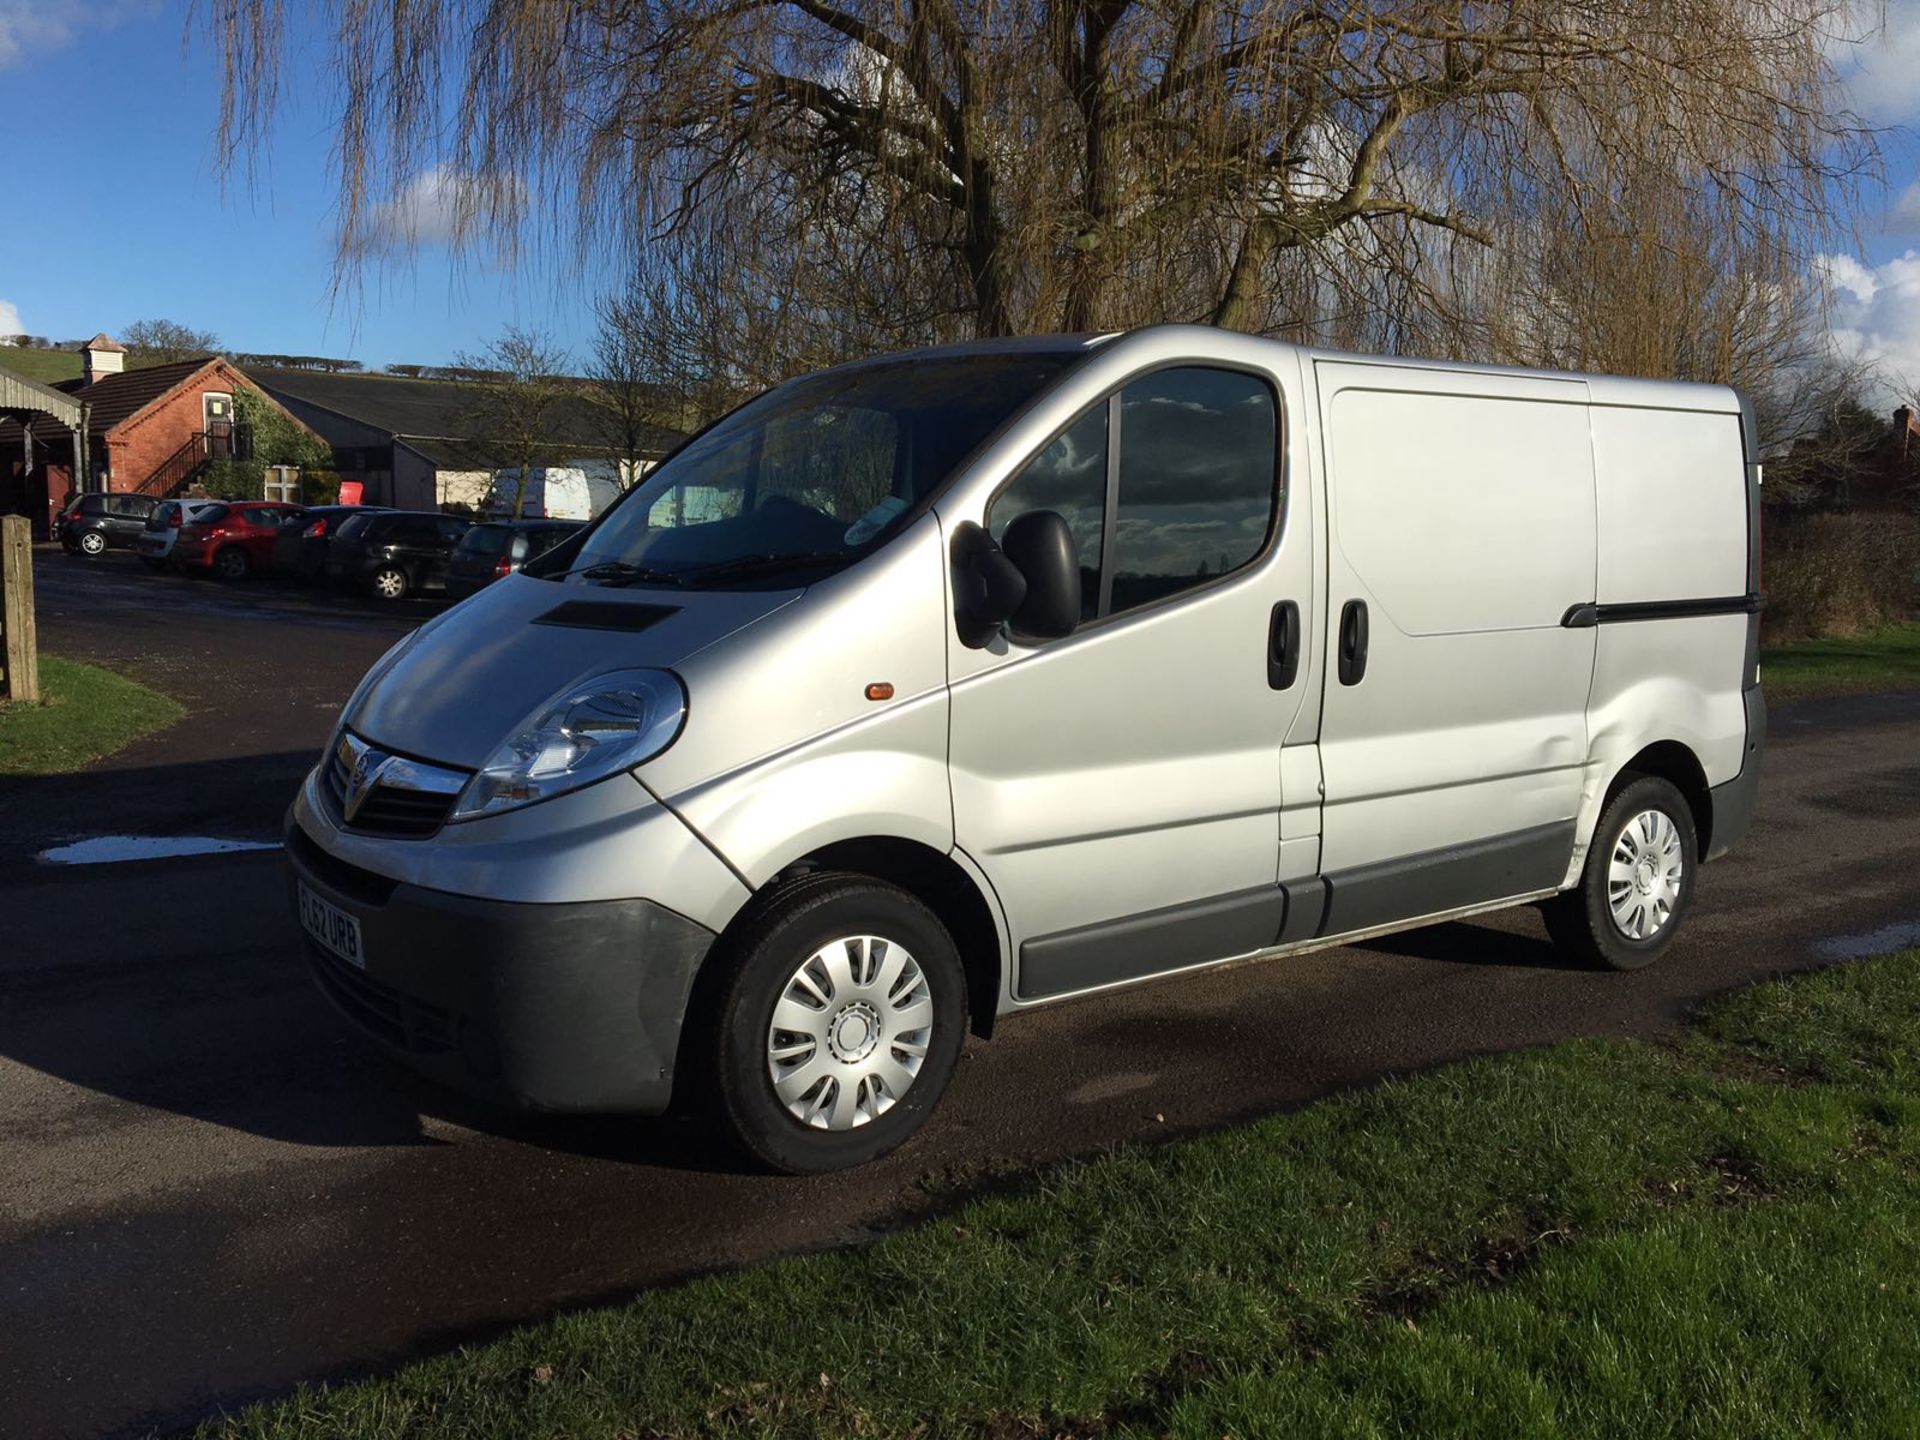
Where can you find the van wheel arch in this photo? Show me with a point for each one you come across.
(1673, 762)
(933, 878)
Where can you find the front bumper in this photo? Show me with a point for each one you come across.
(562, 1007)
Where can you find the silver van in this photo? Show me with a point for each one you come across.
(931, 688)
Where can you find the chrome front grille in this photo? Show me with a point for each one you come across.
(383, 794)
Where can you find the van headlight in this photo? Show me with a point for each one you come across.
(590, 730)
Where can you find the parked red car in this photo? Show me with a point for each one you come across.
(233, 539)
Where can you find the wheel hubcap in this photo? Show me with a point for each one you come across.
(389, 584)
(1644, 875)
(849, 1033)
(92, 544)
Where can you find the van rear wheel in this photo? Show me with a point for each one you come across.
(839, 1021)
(1637, 885)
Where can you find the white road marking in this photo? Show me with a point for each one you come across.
(105, 849)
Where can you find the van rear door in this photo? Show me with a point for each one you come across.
(1454, 729)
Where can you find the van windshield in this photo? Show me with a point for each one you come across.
(810, 476)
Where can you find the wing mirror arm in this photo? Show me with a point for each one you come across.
(988, 587)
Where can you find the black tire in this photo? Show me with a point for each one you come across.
(232, 563)
(1581, 920)
(761, 960)
(390, 582)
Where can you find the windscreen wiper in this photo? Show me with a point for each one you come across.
(619, 572)
(741, 566)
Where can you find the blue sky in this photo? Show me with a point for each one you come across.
(134, 223)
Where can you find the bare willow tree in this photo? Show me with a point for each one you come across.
(517, 387)
(918, 169)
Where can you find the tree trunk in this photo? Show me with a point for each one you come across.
(1093, 255)
(1243, 284)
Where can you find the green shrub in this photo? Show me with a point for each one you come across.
(233, 480)
(1839, 575)
(277, 438)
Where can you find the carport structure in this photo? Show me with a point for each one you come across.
(22, 492)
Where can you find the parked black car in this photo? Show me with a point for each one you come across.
(494, 551)
(94, 524)
(394, 553)
(300, 549)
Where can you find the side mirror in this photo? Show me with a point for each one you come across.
(1040, 545)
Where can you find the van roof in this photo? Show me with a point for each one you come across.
(1602, 389)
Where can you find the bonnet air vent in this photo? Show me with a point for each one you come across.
(606, 615)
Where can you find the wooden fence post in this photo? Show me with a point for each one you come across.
(20, 680)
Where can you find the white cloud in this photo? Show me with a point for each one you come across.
(1876, 313)
(30, 28)
(438, 207)
(10, 319)
(1903, 216)
(1879, 60)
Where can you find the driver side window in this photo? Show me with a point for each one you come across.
(1196, 487)
(1070, 477)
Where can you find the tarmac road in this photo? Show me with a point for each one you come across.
(209, 1190)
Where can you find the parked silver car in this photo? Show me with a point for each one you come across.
(155, 543)
(929, 689)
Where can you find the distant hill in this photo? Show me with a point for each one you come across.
(46, 366)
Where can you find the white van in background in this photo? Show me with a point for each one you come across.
(556, 492)
(936, 687)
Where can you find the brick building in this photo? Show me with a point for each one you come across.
(149, 431)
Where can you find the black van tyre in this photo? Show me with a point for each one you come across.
(855, 1032)
(232, 563)
(390, 583)
(1661, 855)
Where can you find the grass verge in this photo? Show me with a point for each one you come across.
(1885, 659)
(85, 713)
(1713, 1237)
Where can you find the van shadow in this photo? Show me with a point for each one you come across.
(1458, 942)
(182, 985)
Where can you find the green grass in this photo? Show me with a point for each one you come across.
(1886, 659)
(1713, 1237)
(46, 366)
(84, 713)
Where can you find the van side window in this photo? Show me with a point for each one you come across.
(1198, 490)
(1070, 477)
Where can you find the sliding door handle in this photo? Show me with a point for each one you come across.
(1353, 642)
(1283, 645)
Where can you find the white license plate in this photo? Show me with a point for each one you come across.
(332, 927)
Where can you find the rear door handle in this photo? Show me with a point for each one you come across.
(1353, 642)
(1283, 645)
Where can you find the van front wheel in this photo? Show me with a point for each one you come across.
(1638, 882)
(840, 1019)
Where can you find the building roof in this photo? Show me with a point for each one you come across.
(24, 398)
(104, 341)
(433, 415)
(114, 399)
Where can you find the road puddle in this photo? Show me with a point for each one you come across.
(107, 849)
(1902, 935)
